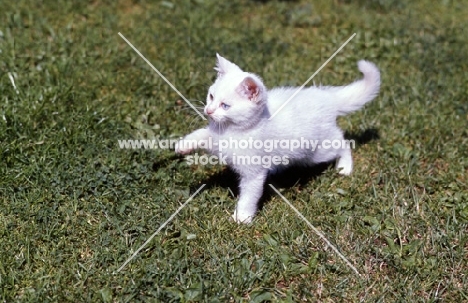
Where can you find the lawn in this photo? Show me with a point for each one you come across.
(74, 206)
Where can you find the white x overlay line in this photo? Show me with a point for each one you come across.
(311, 77)
(160, 228)
(162, 76)
(316, 231)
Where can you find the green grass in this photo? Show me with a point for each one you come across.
(73, 206)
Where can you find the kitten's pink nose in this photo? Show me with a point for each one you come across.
(209, 111)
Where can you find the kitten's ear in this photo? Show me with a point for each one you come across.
(224, 66)
(250, 89)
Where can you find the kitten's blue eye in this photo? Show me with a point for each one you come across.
(211, 97)
(224, 106)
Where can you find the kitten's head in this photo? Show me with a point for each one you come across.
(236, 97)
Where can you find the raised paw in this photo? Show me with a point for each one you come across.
(183, 147)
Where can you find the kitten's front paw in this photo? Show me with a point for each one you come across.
(245, 218)
(182, 147)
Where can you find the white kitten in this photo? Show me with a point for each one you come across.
(239, 107)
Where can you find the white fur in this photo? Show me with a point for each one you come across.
(311, 114)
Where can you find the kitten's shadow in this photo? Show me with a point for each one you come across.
(289, 177)
(363, 137)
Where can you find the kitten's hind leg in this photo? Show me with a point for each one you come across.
(344, 163)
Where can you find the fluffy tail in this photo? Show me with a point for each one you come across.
(352, 97)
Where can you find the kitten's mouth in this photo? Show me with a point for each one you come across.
(213, 117)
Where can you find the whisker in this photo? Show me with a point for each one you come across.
(199, 101)
(190, 108)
